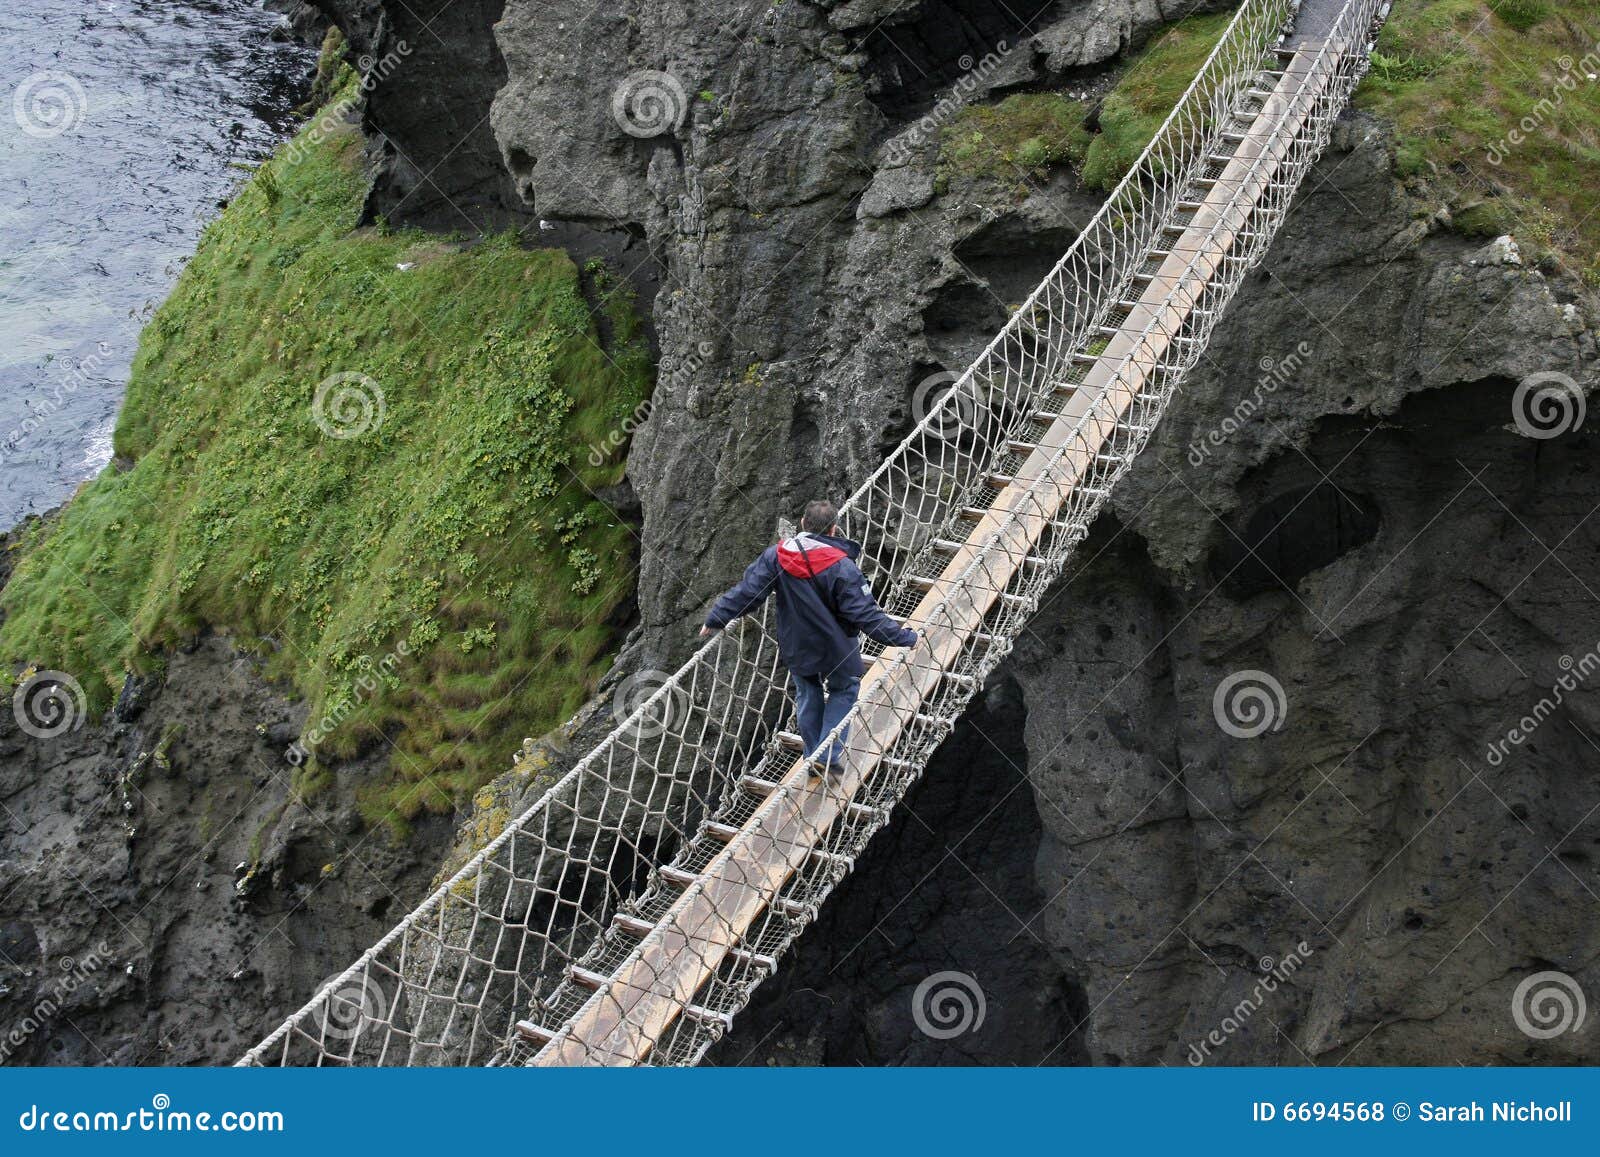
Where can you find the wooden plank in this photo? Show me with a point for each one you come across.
(623, 1022)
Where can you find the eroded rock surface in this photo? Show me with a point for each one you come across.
(163, 898)
(1376, 535)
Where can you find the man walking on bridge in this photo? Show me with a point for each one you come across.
(824, 604)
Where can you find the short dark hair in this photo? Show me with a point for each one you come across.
(820, 516)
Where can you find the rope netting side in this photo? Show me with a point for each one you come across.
(505, 932)
(943, 462)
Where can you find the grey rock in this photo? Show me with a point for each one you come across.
(894, 190)
(123, 870)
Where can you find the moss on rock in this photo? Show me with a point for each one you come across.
(1496, 108)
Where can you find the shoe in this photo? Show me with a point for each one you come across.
(832, 772)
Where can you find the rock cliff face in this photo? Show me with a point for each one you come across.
(779, 162)
(1374, 535)
(432, 68)
(132, 929)
(1099, 848)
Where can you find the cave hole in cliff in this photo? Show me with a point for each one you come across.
(960, 318)
(1013, 255)
(1291, 535)
(912, 60)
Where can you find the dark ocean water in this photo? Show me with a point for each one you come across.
(123, 125)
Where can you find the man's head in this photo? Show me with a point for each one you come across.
(821, 517)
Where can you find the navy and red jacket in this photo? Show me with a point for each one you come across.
(824, 604)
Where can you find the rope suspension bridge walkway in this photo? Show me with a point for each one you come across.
(631, 911)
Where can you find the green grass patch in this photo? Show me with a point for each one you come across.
(451, 529)
(1026, 134)
(1022, 136)
(1146, 93)
(1521, 14)
(1494, 108)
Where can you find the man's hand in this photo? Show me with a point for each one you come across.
(704, 631)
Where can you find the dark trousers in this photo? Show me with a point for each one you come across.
(820, 701)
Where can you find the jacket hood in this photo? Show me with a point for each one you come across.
(807, 555)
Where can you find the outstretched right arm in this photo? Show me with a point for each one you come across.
(749, 593)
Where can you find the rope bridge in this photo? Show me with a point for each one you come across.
(631, 911)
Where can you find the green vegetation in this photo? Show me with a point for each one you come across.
(1520, 14)
(331, 73)
(1023, 135)
(1027, 133)
(1497, 114)
(431, 576)
(1146, 93)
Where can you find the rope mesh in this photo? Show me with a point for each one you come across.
(631, 911)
